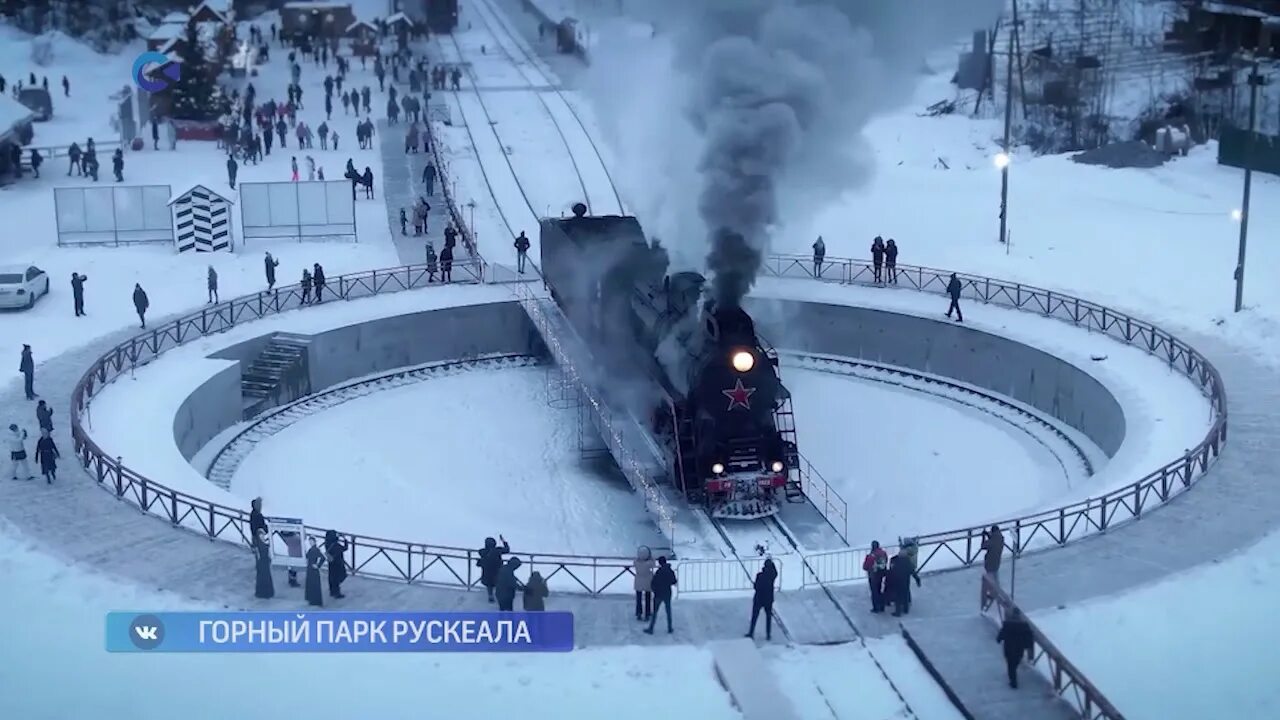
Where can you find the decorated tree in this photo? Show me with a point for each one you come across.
(196, 96)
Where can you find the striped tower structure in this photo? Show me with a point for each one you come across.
(202, 221)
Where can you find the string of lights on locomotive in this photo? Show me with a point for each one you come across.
(718, 406)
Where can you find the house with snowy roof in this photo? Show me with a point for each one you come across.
(212, 11)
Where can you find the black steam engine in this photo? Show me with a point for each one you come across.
(711, 387)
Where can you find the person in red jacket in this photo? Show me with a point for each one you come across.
(876, 565)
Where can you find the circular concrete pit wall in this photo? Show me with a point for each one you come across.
(999, 365)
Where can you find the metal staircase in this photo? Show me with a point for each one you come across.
(278, 375)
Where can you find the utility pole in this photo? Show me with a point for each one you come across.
(1008, 122)
(1255, 80)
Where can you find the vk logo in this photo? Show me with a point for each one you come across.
(171, 71)
(146, 632)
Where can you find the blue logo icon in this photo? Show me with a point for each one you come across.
(146, 631)
(170, 70)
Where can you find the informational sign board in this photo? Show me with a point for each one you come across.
(288, 540)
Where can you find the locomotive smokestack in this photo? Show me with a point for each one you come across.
(734, 264)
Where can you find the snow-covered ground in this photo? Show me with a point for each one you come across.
(57, 666)
(173, 282)
(1200, 644)
(458, 472)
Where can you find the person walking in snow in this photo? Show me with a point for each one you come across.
(155, 133)
(446, 264)
(1016, 636)
(431, 263)
(953, 289)
(323, 132)
(27, 366)
(367, 181)
(664, 583)
(282, 130)
(66, 87)
(366, 97)
(346, 103)
(74, 155)
(507, 585)
(311, 169)
(535, 593)
(117, 164)
(305, 284)
(993, 547)
(901, 569)
(429, 178)
(876, 565)
(44, 416)
(77, 292)
(269, 265)
(522, 251)
(317, 281)
(213, 285)
(891, 261)
(47, 456)
(293, 165)
(819, 253)
(762, 599)
(20, 469)
(489, 560)
(141, 303)
(334, 137)
(411, 139)
(877, 260)
(232, 168)
(404, 222)
(642, 568)
(315, 561)
(36, 161)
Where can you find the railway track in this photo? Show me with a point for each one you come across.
(600, 193)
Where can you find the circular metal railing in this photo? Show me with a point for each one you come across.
(427, 563)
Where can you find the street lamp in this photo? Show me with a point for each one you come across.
(1242, 215)
(1002, 160)
(1237, 215)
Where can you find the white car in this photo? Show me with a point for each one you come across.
(20, 287)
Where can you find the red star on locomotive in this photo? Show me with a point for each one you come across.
(739, 396)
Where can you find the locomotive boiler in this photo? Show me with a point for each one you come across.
(710, 387)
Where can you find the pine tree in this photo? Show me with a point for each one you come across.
(196, 96)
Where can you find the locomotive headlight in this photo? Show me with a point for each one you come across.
(743, 361)
(777, 466)
(717, 468)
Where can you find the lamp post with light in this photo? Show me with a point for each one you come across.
(1002, 160)
(1242, 215)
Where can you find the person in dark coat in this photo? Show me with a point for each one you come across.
(27, 366)
(155, 134)
(763, 599)
(212, 277)
(44, 416)
(317, 281)
(891, 261)
(899, 580)
(993, 546)
(431, 263)
(535, 593)
(819, 254)
(315, 560)
(36, 161)
(507, 585)
(1015, 634)
(74, 155)
(305, 284)
(664, 583)
(489, 561)
(141, 303)
(232, 168)
(367, 181)
(953, 289)
(335, 551)
(450, 236)
(522, 251)
(877, 259)
(446, 264)
(77, 292)
(429, 177)
(269, 265)
(875, 565)
(265, 587)
(47, 456)
(117, 164)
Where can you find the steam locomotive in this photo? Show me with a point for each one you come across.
(710, 386)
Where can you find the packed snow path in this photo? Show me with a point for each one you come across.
(401, 187)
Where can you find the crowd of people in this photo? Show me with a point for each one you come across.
(46, 451)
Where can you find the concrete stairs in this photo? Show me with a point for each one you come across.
(276, 376)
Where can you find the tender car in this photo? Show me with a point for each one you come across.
(20, 286)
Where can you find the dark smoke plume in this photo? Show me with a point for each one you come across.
(780, 88)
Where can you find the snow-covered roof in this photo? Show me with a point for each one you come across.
(213, 6)
(1225, 9)
(203, 187)
(176, 18)
(168, 48)
(360, 23)
(398, 17)
(13, 113)
(316, 5)
(168, 31)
